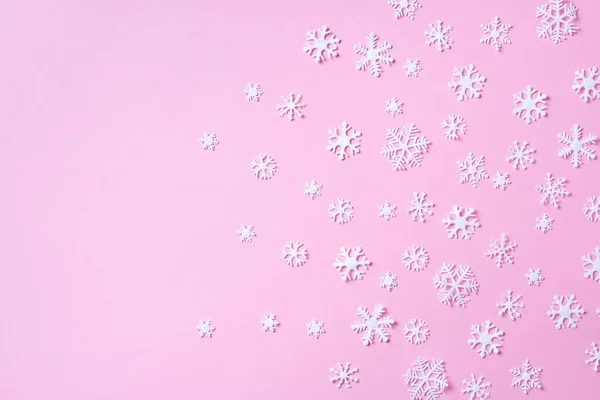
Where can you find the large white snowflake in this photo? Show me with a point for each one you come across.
(455, 284)
(415, 258)
(388, 281)
(552, 191)
(372, 325)
(501, 250)
(501, 180)
(439, 35)
(263, 166)
(510, 305)
(313, 189)
(416, 331)
(205, 328)
(393, 106)
(352, 263)
(472, 170)
(387, 211)
(453, 125)
(475, 388)
(343, 375)
(526, 377)
(487, 337)
(594, 359)
(495, 34)
(291, 106)
(373, 55)
(315, 328)
(530, 104)
(557, 20)
(587, 83)
(576, 146)
(565, 312)
(544, 223)
(593, 261)
(592, 208)
(344, 141)
(419, 207)
(412, 67)
(253, 92)
(404, 8)
(534, 277)
(209, 141)
(341, 211)
(520, 155)
(461, 223)
(246, 233)
(426, 379)
(404, 148)
(269, 322)
(294, 253)
(467, 82)
(322, 44)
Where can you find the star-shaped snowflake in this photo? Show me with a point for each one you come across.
(269, 322)
(565, 312)
(576, 146)
(315, 328)
(461, 223)
(341, 211)
(246, 233)
(487, 338)
(294, 253)
(291, 106)
(321, 45)
(373, 55)
(388, 281)
(343, 375)
(372, 325)
(415, 258)
(534, 277)
(352, 263)
(455, 284)
(453, 125)
(501, 250)
(387, 211)
(205, 328)
(526, 377)
(209, 141)
(467, 82)
(419, 207)
(344, 141)
(253, 92)
(552, 191)
(587, 82)
(426, 379)
(472, 170)
(510, 305)
(412, 67)
(475, 388)
(393, 106)
(520, 155)
(594, 359)
(263, 166)
(557, 20)
(593, 261)
(439, 35)
(530, 104)
(416, 331)
(592, 209)
(501, 180)
(404, 8)
(313, 189)
(544, 223)
(495, 34)
(404, 148)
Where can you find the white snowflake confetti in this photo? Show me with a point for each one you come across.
(323, 42)
(495, 34)
(475, 388)
(501, 180)
(544, 223)
(593, 261)
(373, 55)
(439, 35)
(263, 166)
(455, 285)
(426, 379)
(526, 377)
(341, 211)
(415, 258)
(461, 223)
(472, 170)
(393, 106)
(388, 281)
(412, 67)
(343, 375)
(387, 211)
(587, 83)
(246, 233)
(520, 155)
(467, 82)
(313, 189)
(530, 104)
(592, 208)
(291, 106)
(565, 312)
(510, 305)
(534, 277)
(552, 191)
(576, 147)
(419, 208)
(269, 323)
(404, 8)
(294, 253)
(557, 20)
(205, 328)
(372, 325)
(404, 148)
(315, 328)
(343, 142)
(209, 141)
(594, 359)
(253, 92)
(352, 263)
(500, 251)
(453, 125)
(416, 331)
(487, 337)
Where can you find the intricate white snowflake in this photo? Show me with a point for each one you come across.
(467, 82)
(594, 359)
(439, 35)
(263, 166)
(565, 308)
(294, 253)
(487, 337)
(416, 331)
(209, 141)
(495, 33)
(393, 106)
(455, 285)
(544, 223)
(315, 328)
(426, 379)
(526, 377)
(246, 233)
(461, 223)
(341, 211)
(501, 180)
(592, 211)
(323, 42)
(453, 125)
(510, 305)
(475, 388)
(372, 325)
(205, 328)
(587, 83)
(291, 106)
(404, 8)
(269, 323)
(415, 258)
(253, 92)
(387, 211)
(412, 67)
(419, 208)
(520, 155)
(373, 55)
(404, 148)
(534, 277)
(552, 191)
(593, 260)
(352, 263)
(473, 170)
(500, 251)
(313, 189)
(530, 104)
(557, 20)
(576, 147)
(343, 375)
(343, 142)
(388, 281)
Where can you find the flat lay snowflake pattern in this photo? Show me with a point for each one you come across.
(594, 359)
(263, 166)
(393, 106)
(534, 277)
(501, 250)
(476, 388)
(291, 106)
(587, 83)
(341, 211)
(387, 211)
(486, 338)
(404, 8)
(565, 312)
(269, 323)
(455, 284)
(439, 35)
(576, 146)
(313, 189)
(591, 209)
(209, 141)
(294, 253)
(454, 125)
(426, 379)
(388, 281)
(321, 44)
(553, 190)
(253, 92)
(501, 180)
(530, 104)
(315, 328)
(344, 141)
(416, 331)
(419, 207)
(520, 155)
(557, 20)
(510, 305)
(205, 328)
(544, 223)
(495, 34)
(472, 170)
(404, 148)
(526, 377)
(246, 233)
(591, 263)
(373, 55)
(415, 258)
(412, 67)
(352, 263)
(343, 375)
(467, 82)
(372, 325)
(461, 223)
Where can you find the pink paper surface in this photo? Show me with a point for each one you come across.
(118, 230)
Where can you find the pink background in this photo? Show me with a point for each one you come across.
(118, 230)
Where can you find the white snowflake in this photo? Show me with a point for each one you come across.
(592, 211)
(323, 42)
(565, 308)
(343, 375)
(253, 92)
(454, 125)
(526, 377)
(341, 211)
(412, 67)
(534, 277)
(473, 170)
(552, 191)
(269, 323)
(475, 388)
(455, 284)
(495, 33)
(352, 263)
(500, 251)
(439, 35)
(461, 223)
(520, 155)
(557, 20)
(263, 166)
(393, 106)
(209, 141)
(501, 180)
(404, 148)
(373, 55)
(587, 83)
(372, 325)
(594, 359)
(205, 328)
(388, 281)
(530, 104)
(593, 272)
(246, 233)
(487, 337)
(544, 223)
(404, 8)
(291, 106)
(467, 82)
(313, 189)
(419, 208)
(294, 253)
(315, 328)
(343, 142)
(387, 211)
(576, 147)
(510, 305)
(426, 379)
(416, 331)
(415, 258)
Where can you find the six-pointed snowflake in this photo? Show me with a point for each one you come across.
(557, 20)
(372, 325)
(416, 331)
(321, 45)
(495, 33)
(313, 189)
(294, 253)
(343, 375)
(592, 208)
(472, 170)
(426, 379)
(593, 261)
(344, 141)
(205, 328)
(455, 284)
(246, 233)
(388, 281)
(467, 82)
(530, 104)
(588, 83)
(461, 223)
(439, 35)
(315, 328)
(387, 211)
(565, 312)
(552, 191)
(291, 106)
(412, 67)
(253, 92)
(576, 146)
(534, 277)
(263, 166)
(209, 141)
(501, 180)
(373, 55)
(520, 155)
(594, 359)
(526, 377)
(404, 8)
(500, 251)
(341, 211)
(393, 106)
(419, 208)
(269, 323)
(475, 388)
(453, 125)
(404, 148)
(544, 223)
(487, 337)
(351, 263)
(510, 305)
(415, 258)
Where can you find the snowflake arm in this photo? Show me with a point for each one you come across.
(322, 44)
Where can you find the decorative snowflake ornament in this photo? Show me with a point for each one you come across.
(461, 223)
(412, 67)
(388, 281)
(501, 250)
(530, 104)
(294, 254)
(565, 312)
(372, 325)
(415, 258)
(475, 388)
(253, 92)
(373, 55)
(552, 191)
(501, 180)
(455, 284)
(419, 208)
(321, 45)
(404, 8)
(387, 211)
(510, 305)
(343, 142)
(594, 359)
(526, 377)
(343, 375)
(472, 170)
(205, 328)
(263, 166)
(520, 155)
(404, 148)
(495, 34)
(439, 36)
(246, 233)
(209, 141)
(557, 20)
(416, 331)
(341, 211)
(426, 379)
(315, 328)
(269, 323)
(544, 223)
(352, 263)
(592, 208)
(393, 107)
(467, 82)
(576, 147)
(534, 277)
(291, 106)
(487, 337)
(313, 189)
(593, 261)
(588, 84)
(453, 125)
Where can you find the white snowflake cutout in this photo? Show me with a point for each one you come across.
(475, 388)
(593, 272)
(341, 211)
(453, 125)
(419, 208)
(404, 8)
(269, 323)
(263, 166)
(487, 337)
(544, 223)
(412, 67)
(415, 258)
(324, 42)
(439, 35)
(520, 155)
(501, 180)
(352, 263)
(594, 359)
(393, 106)
(343, 375)
(565, 312)
(313, 189)
(416, 331)
(315, 328)
(253, 92)
(461, 223)
(246, 233)
(500, 251)
(404, 148)
(373, 55)
(387, 211)
(557, 20)
(205, 328)
(587, 83)
(526, 377)
(472, 170)
(552, 191)
(510, 305)
(209, 141)
(455, 285)
(576, 147)
(467, 82)
(343, 142)
(592, 209)
(294, 253)
(372, 325)
(530, 104)
(534, 277)
(388, 281)
(291, 106)
(495, 34)
(426, 379)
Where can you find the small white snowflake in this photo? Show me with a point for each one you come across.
(510, 305)
(593, 272)
(487, 337)
(343, 142)
(341, 211)
(587, 83)
(351, 263)
(439, 35)
(313, 189)
(461, 223)
(501, 180)
(253, 92)
(209, 141)
(534, 277)
(565, 309)
(291, 106)
(426, 379)
(404, 148)
(552, 191)
(500, 251)
(246, 233)
(205, 328)
(592, 210)
(419, 208)
(404, 8)
(530, 104)
(294, 253)
(557, 20)
(415, 258)
(315, 328)
(467, 82)
(475, 388)
(453, 125)
(388, 281)
(473, 170)
(387, 211)
(393, 106)
(455, 285)
(526, 377)
(576, 147)
(372, 325)
(544, 223)
(323, 42)
(594, 359)
(495, 33)
(343, 375)
(373, 55)
(263, 166)
(520, 155)
(269, 323)
(412, 67)
(416, 331)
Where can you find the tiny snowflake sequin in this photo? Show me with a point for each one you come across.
(594, 359)
(205, 328)
(530, 104)
(372, 325)
(253, 92)
(246, 233)
(412, 67)
(543, 223)
(552, 190)
(209, 141)
(472, 170)
(313, 189)
(501, 251)
(341, 211)
(388, 281)
(591, 209)
(565, 312)
(486, 338)
(343, 375)
(454, 125)
(467, 82)
(387, 211)
(294, 253)
(315, 328)
(587, 82)
(591, 263)
(373, 55)
(510, 304)
(576, 146)
(393, 106)
(321, 44)
(501, 180)
(416, 331)
(344, 141)
(291, 106)
(439, 35)
(269, 323)
(495, 34)
(263, 166)
(475, 388)
(404, 8)
(534, 277)
(415, 258)
(461, 223)
(351, 263)
(520, 155)
(419, 207)
(526, 377)
(557, 20)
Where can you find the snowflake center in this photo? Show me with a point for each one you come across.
(576, 145)
(372, 324)
(373, 55)
(269, 323)
(495, 34)
(526, 376)
(403, 3)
